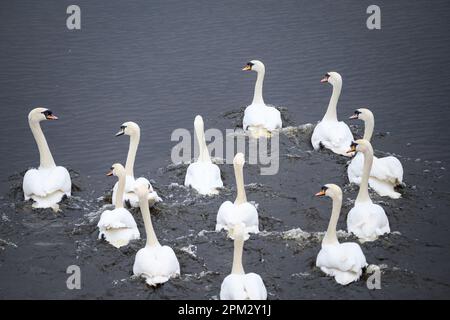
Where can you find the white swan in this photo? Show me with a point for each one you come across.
(48, 184)
(260, 119)
(132, 129)
(118, 226)
(331, 133)
(240, 285)
(203, 175)
(156, 263)
(343, 261)
(366, 220)
(386, 173)
(240, 211)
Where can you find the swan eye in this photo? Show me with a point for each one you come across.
(353, 145)
(123, 127)
(324, 188)
(357, 112)
(47, 113)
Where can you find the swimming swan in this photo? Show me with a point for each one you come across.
(366, 220)
(260, 119)
(118, 226)
(132, 129)
(343, 261)
(386, 173)
(156, 263)
(49, 183)
(331, 133)
(240, 211)
(240, 285)
(203, 175)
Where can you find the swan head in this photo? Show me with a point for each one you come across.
(142, 189)
(237, 232)
(254, 65)
(332, 77)
(239, 159)
(129, 128)
(117, 170)
(363, 114)
(198, 122)
(360, 145)
(330, 190)
(40, 114)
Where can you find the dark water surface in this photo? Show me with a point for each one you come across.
(159, 63)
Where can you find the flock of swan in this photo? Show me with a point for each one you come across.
(49, 184)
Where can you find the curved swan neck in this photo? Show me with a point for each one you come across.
(132, 150)
(369, 125)
(120, 191)
(152, 240)
(239, 175)
(330, 235)
(331, 114)
(46, 158)
(363, 194)
(258, 96)
(237, 256)
(203, 149)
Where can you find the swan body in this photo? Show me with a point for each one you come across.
(156, 263)
(386, 173)
(343, 261)
(48, 184)
(240, 211)
(240, 285)
(259, 118)
(203, 175)
(330, 133)
(131, 197)
(118, 226)
(132, 129)
(366, 220)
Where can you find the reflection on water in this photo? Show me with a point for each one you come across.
(159, 64)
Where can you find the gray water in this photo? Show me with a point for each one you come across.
(159, 63)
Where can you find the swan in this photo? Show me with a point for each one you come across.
(156, 263)
(240, 211)
(386, 173)
(203, 175)
(366, 220)
(331, 133)
(118, 226)
(48, 184)
(343, 261)
(132, 129)
(259, 118)
(240, 285)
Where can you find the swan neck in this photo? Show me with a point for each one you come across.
(203, 149)
(120, 191)
(237, 256)
(239, 175)
(330, 235)
(258, 96)
(152, 240)
(45, 156)
(331, 114)
(369, 125)
(131, 157)
(363, 194)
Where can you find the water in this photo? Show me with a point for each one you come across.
(160, 63)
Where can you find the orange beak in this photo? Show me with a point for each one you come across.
(320, 194)
(110, 173)
(247, 68)
(353, 117)
(51, 117)
(353, 149)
